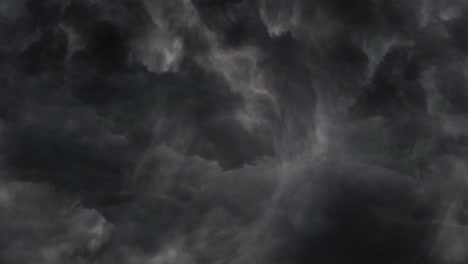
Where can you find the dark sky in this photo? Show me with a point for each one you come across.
(233, 131)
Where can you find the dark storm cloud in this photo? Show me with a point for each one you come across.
(240, 131)
(41, 225)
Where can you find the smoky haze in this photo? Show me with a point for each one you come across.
(233, 131)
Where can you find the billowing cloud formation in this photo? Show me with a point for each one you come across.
(233, 131)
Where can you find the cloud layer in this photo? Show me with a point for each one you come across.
(233, 131)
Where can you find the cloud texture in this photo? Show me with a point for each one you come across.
(233, 131)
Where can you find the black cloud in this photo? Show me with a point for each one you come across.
(246, 131)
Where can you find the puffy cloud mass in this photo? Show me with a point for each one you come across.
(233, 131)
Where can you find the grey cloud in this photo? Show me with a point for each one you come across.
(234, 131)
(40, 226)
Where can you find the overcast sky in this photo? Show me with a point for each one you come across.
(233, 132)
